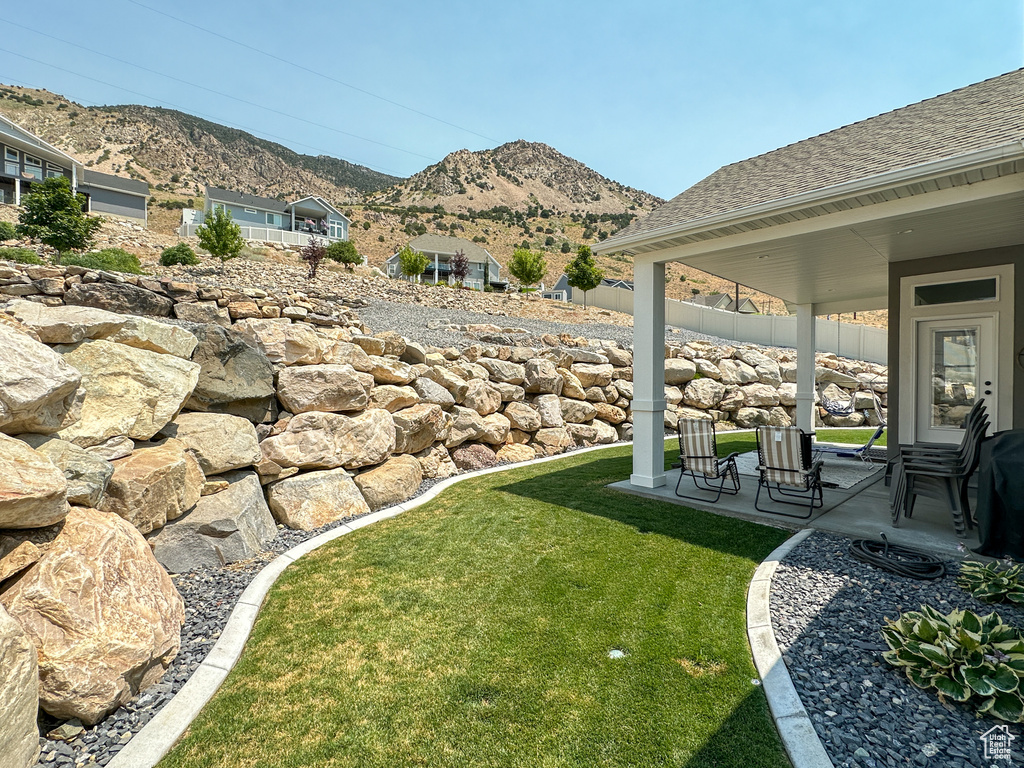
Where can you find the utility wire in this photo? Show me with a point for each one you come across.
(187, 111)
(307, 69)
(219, 93)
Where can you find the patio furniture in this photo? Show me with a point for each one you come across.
(785, 466)
(1000, 510)
(698, 458)
(862, 452)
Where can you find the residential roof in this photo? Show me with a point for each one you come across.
(449, 245)
(92, 178)
(977, 117)
(245, 199)
(16, 131)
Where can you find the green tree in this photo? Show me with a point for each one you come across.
(220, 235)
(582, 272)
(344, 252)
(53, 215)
(412, 262)
(527, 266)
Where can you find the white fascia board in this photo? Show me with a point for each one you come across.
(869, 185)
(38, 144)
(92, 185)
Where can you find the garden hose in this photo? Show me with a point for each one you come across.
(903, 561)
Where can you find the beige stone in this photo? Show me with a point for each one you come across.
(760, 395)
(65, 325)
(318, 440)
(523, 417)
(503, 370)
(610, 413)
(87, 475)
(389, 370)
(482, 397)
(336, 352)
(419, 426)
(143, 333)
(39, 390)
(593, 374)
(571, 386)
(467, 424)
(16, 556)
(736, 372)
(392, 482)
(549, 407)
(495, 430)
(19, 691)
(551, 441)
(470, 458)
(103, 615)
(436, 463)
(33, 492)
(314, 499)
(369, 344)
(515, 453)
(703, 393)
(394, 343)
(219, 441)
(332, 388)
(679, 370)
(282, 341)
(576, 411)
(393, 398)
(455, 384)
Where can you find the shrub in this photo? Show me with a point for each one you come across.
(549, 240)
(582, 272)
(992, 583)
(527, 267)
(20, 255)
(566, 248)
(313, 253)
(479, 239)
(53, 215)
(380, 238)
(109, 259)
(178, 254)
(459, 267)
(220, 235)
(961, 656)
(488, 288)
(366, 225)
(7, 231)
(344, 252)
(412, 262)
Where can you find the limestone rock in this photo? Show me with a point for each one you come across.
(777, 417)
(495, 431)
(16, 556)
(591, 375)
(522, 416)
(87, 475)
(551, 441)
(122, 298)
(571, 386)
(143, 333)
(752, 417)
(392, 482)
(606, 433)
(394, 398)
(787, 394)
(620, 358)
(413, 353)
(129, 392)
(63, 324)
(33, 492)
(394, 343)
(760, 395)
(104, 616)
(541, 377)
(19, 691)
(509, 392)
(281, 341)
(707, 369)
(436, 463)
(331, 388)
(482, 397)
(370, 345)
(501, 370)
(314, 499)
(234, 377)
(549, 407)
(219, 441)
(576, 411)
(824, 375)
(229, 526)
(470, 458)
(417, 427)
(515, 453)
(467, 424)
(38, 388)
(337, 352)
(430, 391)
(114, 448)
(703, 393)
(610, 413)
(318, 440)
(154, 485)
(736, 372)
(455, 384)
(203, 312)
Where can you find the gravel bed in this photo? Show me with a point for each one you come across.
(410, 320)
(827, 609)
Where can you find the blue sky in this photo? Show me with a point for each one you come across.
(655, 95)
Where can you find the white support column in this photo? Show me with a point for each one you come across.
(805, 344)
(435, 269)
(17, 191)
(648, 404)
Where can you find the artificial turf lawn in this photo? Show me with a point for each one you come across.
(475, 631)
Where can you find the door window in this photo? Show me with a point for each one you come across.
(954, 376)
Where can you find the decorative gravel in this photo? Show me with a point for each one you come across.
(827, 609)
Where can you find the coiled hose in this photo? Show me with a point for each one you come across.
(903, 561)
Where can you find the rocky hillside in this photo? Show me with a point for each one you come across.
(180, 153)
(520, 175)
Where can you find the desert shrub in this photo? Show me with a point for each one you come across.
(366, 225)
(380, 238)
(344, 252)
(20, 255)
(178, 254)
(109, 259)
(566, 248)
(7, 231)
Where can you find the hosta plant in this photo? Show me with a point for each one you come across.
(962, 656)
(992, 583)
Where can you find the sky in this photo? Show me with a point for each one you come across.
(655, 95)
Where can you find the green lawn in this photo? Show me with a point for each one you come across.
(475, 631)
(857, 436)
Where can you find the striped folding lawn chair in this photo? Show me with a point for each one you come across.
(785, 467)
(698, 458)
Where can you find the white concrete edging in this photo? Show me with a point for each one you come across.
(155, 740)
(799, 738)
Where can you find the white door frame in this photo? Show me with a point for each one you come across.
(1000, 308)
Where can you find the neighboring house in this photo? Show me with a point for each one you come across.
(725, 301)
(562, 291)
(115, 195)
(270, 220)
(484, 269)
(29, 160)
(919, 211)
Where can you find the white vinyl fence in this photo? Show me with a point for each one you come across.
(859, 342)
(263, 235)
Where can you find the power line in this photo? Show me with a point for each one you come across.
(310, 71)
(187, 111)
(219, 93)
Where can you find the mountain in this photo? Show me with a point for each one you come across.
(180, 153)
(519, 175)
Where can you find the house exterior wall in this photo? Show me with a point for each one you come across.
(117, 203)
(987, 258)
(257, 219)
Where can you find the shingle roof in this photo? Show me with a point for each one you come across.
(977, 117)
(443, 244)
(245, 199)
(131, 186)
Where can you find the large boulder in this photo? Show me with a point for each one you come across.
(39, 390)
(318, 440)
(736, 372)
(551, 441)
(549, 407)
(503, 370)
(220, 441)
(65, 325)
(679, 370)
(571, 386)
(33, 492)
(392, 482)
(610, 413)
(234, 376)
(314, 499)
(455, 384)
(429, 391)
(234, 524)
(122, 298)
(482, 397)
(19, 691)
(577, 411)
(129, 392)
(202, 313)
(331, 388)
(154, 485)
(338, 352)
(418, 427)
(752, 417)
(522, 416)
(470, 458)
(703, 393)
(514, 453)
(593, 374)
(87, 475)
(389, 370)
(436, 463)
(467, 425)
(281, 341)
(103, 615)
(760, 395)
(393, 398)
(496, 429)
(143, 333)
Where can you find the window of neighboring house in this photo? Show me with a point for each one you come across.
(274, 219)
(12, 166)
(392, 270)
(337, 228)
(218, 207)
(33, 168)
(252, 211)
(53, 170)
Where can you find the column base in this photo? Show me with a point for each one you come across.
(643, 481)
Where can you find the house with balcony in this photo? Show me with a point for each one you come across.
(269, 220)
(484, 269)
